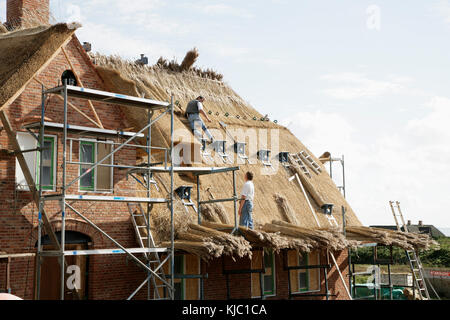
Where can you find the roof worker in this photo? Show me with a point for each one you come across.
(193, 111)
(246, 203)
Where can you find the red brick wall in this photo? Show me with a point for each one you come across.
(110, 277)
(23, 12)
(240, 284)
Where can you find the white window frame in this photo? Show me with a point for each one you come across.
(35, 172)
(96, 142)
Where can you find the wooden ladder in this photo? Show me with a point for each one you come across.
(140, 223)
(413, 256)
(295, 158)
(310, 161)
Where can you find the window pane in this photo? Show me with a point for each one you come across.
(268, 259)
(104, 174)
(303, 280)
(178, 265)
(268, 284)
(47, 160)
(46, 177)
(87, 153)
(178, 291)
(87, 156)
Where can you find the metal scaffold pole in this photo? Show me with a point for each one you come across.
(40, 204)
(149, 206)
(69, 181)
(63, 198)
(172, 232)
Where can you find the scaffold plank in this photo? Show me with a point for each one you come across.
(114, 198)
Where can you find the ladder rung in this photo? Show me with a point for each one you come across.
(144, 238)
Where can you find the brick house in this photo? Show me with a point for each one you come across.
(39, 58)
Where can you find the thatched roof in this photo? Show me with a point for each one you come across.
(282, 213)
(153, 82)
(25, 52)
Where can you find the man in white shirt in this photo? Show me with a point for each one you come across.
(246, 203)
(193, 111)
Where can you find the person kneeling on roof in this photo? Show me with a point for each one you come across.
(193, 111)
(246, 203)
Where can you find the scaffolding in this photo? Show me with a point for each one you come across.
(332, 160)
(154, 272)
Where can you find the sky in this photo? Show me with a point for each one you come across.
(364, 79)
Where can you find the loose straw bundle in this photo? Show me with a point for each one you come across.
(206, 250)
(404, 240)
(161, 220)
(233, 245)
(313, 237)
(285, 209)
(215, 212)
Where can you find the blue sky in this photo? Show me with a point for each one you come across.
(367, 79)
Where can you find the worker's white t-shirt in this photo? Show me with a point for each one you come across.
(248, 190)
(199, 106)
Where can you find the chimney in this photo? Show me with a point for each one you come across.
(87, 46)
(27, 13)
(420, 223)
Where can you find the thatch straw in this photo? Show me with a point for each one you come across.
(3, 28)
(215, 212)
(206, 250)
(317, 238)
(234, 246)
(161, 220)
(316, 195)
(272, 240)
(408, 241)
(257, 238)
(285, 209)
(209, 214)
(24, 52)
(189, 59)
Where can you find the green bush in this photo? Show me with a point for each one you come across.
(435, 258)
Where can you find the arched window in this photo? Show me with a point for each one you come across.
(72, 237)
(69, 76)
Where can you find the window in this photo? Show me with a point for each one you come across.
(48, 164)
(100, 178)
(304, 280)
(28, 142)
(268, 277)
(185, 289)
